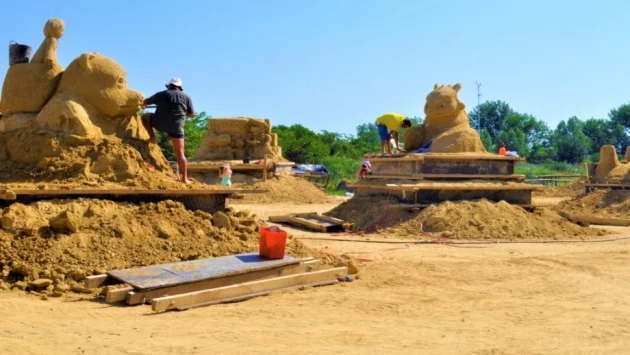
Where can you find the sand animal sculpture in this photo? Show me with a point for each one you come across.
(237, 139)
(85, 115)
(446, 125)
(609, 168)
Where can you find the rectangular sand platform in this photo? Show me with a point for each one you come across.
(201, 199)
(426, 192)
(436, 166)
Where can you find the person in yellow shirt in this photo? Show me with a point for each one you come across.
(388, 126)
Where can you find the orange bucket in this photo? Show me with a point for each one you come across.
(272, 243)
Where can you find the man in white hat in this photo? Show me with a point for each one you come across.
(172, 108)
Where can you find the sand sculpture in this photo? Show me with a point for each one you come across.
(609, 168)
(80, 122)
(446, 125)
(237, 139)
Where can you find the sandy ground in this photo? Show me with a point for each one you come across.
(420, 299)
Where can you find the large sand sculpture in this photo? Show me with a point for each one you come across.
(237, 139)
(80, 123)
(609, 168)
(446, 125)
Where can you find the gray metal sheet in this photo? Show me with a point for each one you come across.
(156, 276)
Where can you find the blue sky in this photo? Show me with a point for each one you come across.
(331, 65)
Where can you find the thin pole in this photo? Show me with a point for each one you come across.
(479, 104)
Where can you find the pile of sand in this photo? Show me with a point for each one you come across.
(282, 188)
(64, 241)
(460, 220)
(101, 163)
(601, 203)
(571, 189)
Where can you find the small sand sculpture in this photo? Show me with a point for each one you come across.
(28, 86)
(446, 125)
(82, 124)
(237, 139)
(609, 168)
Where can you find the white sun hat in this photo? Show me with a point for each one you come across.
(176, 82)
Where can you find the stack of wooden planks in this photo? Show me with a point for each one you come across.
(203, 282)
(312, 220)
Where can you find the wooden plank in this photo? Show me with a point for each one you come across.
(604, 221)
(139, 297)
(425, 205)
(269, 285)
(117, 295)
(135, 192)
(308, 224)
(280, 219)
(265, 169)
(99, 280)
(257, 294)
(157, 276)
(619, 186)
(448, 176)
(443, 186)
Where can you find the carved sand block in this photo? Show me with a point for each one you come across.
(238, 138)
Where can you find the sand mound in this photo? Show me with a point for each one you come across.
(283, 188)
(65, 240)
(462, 220)
(571, 189)
(612, 204)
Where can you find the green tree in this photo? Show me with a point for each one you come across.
(570, 143)
(301, 145)
(489, 116)
(527, 135)
(620, 119)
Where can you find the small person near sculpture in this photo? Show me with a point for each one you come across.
(225, 173)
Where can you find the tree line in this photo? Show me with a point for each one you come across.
(572, 141)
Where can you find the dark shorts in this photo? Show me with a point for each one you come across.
(383, 132)
(179, 134)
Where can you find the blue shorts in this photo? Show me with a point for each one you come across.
(383, 132)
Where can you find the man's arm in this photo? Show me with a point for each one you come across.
(153, 100)
(190, 110)
(395, 134)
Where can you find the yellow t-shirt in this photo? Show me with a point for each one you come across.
(393, 121)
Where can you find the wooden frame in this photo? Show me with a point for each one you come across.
(246, 290)
(140, 297)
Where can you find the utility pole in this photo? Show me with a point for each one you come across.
(478, 104)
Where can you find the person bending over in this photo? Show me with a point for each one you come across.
(388, 126)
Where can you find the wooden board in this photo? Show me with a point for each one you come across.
(139, 297)
(440, 156)
(517, 177)
(604, 221)
(229, 292)
(313, 221)
(117, 295)
(99, 281)
(156, 276)
(445, 186)
(257, 294)
(134, 192)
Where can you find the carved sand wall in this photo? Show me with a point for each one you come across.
(237, 139)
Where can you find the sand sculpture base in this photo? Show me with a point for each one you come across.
(417, 180)
(609, 170)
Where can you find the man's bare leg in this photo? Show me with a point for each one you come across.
(182, 163)
(146, 122)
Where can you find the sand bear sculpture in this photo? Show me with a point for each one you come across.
(89, 105)
(609, 168)
(446, 125)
